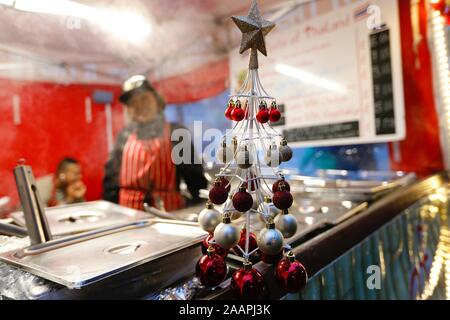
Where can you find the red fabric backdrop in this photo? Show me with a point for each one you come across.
(53, 125)
(421, 151)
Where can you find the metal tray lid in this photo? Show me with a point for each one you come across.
(87, 262)
(81, 217)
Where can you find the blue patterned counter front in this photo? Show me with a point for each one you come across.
(409, 258)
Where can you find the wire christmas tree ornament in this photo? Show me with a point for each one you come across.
(250, 182)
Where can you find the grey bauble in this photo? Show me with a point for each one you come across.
(226, 234)
(286, 223)
(270, 240)
(209, 218)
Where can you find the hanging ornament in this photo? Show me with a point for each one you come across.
(276, 185)
(229, 110)
(226, 234)
(242, 200)
(271, 258)
(247, 282)
(209, 218)
(252, 243)
(211, 269)
(286, 223)
(237, 114)
(291, 274)
(285, 151)
(224, 154)
(244, 159)
(218, 194)
(282, 199)
(270, 240)
(273, 157)
(274, 113)
(207, 242)
(439, 5)
(263, 114)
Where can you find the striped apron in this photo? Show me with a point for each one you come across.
(148, 174)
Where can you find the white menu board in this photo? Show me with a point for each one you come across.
(337, 80)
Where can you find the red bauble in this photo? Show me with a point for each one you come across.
(252, 243)
(224, 182)
(263, 115)
(218, 249)
(439, 5)
(282, 200)
(274, 115)
(271, 259)
(211, 269)
(247, 282)
(291, 274)
(228, 112)
(237, 114)
(242, 200)
(276, 186)
(218, 194)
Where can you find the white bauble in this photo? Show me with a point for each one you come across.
(209, 218)
(226, 234)
(270, 240)
(287, 224)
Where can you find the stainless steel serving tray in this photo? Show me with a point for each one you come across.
(345, 188)
(76, 218)
(84, 263)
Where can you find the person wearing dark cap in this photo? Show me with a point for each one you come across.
(140, 167)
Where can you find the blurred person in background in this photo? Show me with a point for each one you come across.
(140, 168)
(68, 185)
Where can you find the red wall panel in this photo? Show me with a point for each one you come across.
(53, 125)
(421, 151)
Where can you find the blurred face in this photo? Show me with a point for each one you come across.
(71, 174)
(142, 107)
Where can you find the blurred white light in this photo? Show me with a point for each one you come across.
(441, 52)
(309, 78)
(127, 25)
(7, 2)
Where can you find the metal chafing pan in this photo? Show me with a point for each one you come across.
(123, 249)
(76, 218)
(344, 185)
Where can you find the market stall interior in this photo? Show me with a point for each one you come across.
(180, 150)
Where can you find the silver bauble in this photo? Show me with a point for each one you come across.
(224, 154)
(209, 218)
(226, 234)
(286, 153)
(287, 224)
(270, 240)
(244, 159)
